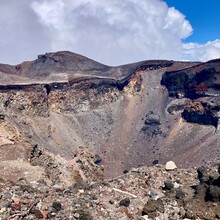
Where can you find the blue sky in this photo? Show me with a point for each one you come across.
(204, 16)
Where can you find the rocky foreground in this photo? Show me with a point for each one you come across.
(159, 192)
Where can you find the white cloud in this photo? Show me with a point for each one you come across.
(110, 31)
(202, 52)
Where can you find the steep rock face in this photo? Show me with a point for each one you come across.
(127, 115)
(201, 85)
(27, 100)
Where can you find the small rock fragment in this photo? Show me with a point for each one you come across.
(111, 202)
(170, 165)
(179, 193)
(168, 185)
(189, 215)
(153, 206)
(4, 209)
(176, 185)
(155, 194)
(57, 206)
(155, 162)
(144, 217)
(125, 202)
(37, 213)
(97, 159)
(81, 191)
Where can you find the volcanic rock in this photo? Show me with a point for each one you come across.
(168, 185)
(57, 206)
(125, 202)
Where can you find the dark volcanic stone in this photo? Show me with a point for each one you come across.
(168, 185)
(155, 162)
(125, 202)
(179, 193)
(201, 190)
(37, 213)
(125, 171)
(97, 159)
(214, 179)
(213, 194)
(57, 206)
(209, 187)
(206, 118)
(201, 171)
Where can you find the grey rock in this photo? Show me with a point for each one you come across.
(125, 202)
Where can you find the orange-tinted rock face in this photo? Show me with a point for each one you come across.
(123, 114)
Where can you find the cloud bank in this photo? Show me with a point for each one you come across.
(202, 52)
(114, 31)
(110, 31)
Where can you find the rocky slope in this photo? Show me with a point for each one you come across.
(68, 125)
(128, 115)
(145, 193)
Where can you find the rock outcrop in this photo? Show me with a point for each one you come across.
(200, 85)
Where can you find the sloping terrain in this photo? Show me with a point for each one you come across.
(127, 116)
(145, 193)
